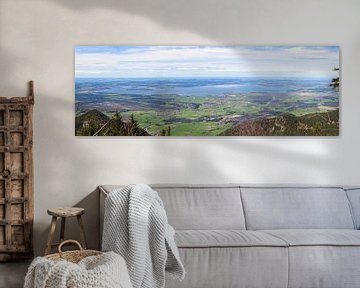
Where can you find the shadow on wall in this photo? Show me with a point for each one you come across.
(217, 19)
(191, 16)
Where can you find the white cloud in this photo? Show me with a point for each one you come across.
(157, 61)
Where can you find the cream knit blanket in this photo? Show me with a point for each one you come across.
(136, 227)
(103, 271)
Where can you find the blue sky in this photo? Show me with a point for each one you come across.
(206, 61)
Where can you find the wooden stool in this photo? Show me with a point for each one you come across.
(64, 213)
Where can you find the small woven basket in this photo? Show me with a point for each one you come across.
(72, 256)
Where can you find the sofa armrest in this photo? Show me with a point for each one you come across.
(102, 197)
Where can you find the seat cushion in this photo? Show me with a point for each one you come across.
(220, 267)
(225, 238)
(324, 266)
(317, 237)
(233, 258)
(322, 258)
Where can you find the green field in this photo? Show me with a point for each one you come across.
(200, 116)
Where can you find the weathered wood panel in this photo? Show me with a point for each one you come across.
(16, 177)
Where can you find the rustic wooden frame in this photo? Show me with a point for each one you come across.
(16, 177)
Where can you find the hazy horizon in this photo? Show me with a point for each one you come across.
(207, 77)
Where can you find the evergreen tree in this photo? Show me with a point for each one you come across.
(335, 82)
(134, 128)
(116, 126)
(317, 129)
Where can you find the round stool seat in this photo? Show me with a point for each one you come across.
(66, 211)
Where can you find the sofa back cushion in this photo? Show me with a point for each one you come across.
(296, 208)
(203, 207)
(354, 198)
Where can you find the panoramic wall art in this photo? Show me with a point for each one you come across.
(207, 90)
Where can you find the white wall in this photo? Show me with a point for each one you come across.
(37, 38)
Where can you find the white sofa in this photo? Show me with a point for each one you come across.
(263, 236)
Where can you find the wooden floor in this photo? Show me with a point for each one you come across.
(12, 274)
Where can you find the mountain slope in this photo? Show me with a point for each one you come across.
(91, 116)
(314, 124)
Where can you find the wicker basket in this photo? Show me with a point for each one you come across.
(72, 256)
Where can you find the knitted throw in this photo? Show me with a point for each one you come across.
(103, 271)
(136, 227)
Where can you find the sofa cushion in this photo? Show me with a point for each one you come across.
(324, 266)
(296, 208)
(354, 198)
(220, 267)
(315, 237)
(226, 238)
(191, 207)
(322, 258)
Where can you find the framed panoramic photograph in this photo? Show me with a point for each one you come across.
(207, 90)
